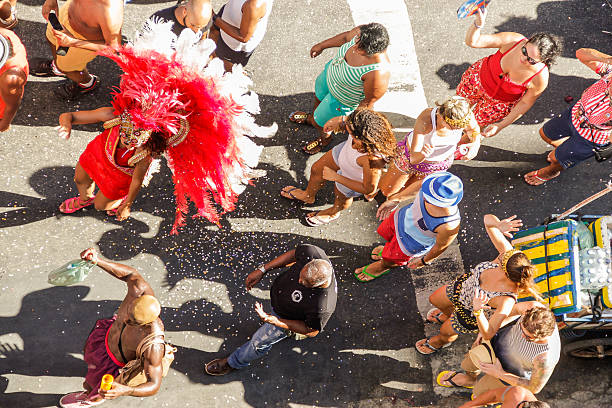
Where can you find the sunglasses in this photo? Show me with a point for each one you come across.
(529, 59)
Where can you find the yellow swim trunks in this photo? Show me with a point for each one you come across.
(76, 59)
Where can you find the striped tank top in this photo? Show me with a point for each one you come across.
(415, 227)
(344, 81)
(516, 354)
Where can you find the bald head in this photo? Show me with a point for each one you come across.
(197, 14)
(144, 310)
(316, 273)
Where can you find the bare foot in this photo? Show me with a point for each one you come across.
(294, 193)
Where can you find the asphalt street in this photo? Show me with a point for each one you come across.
(365, 357)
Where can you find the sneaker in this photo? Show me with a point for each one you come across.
(78, 399)
(42, 67)
(71, 90)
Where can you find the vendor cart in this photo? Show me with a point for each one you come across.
(584, 315)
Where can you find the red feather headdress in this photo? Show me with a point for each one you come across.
(160, 92)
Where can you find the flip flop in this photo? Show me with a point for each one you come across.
(535, 175)
(364, 271)
(314, 220)
(436, 317)
(74, 204)
(450, 380)
(378, 254)
(429, 346)
(289, 195)
(298, 117)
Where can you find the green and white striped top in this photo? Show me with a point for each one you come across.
(344, 81)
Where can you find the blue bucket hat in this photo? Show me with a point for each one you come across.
(442, 189)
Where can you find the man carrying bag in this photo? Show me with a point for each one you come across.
(129, 346)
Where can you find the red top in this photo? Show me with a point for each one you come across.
(19, 59)
(496, 83)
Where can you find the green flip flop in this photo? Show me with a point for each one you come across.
(364, 269)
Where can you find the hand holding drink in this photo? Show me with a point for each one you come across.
(107, 382)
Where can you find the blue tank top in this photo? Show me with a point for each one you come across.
(415, 227)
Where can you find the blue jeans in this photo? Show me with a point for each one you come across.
(261, 342)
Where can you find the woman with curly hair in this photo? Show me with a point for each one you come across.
(431, 146)
(355, 165)
(483, 298)
(505, 85)
(357, 76)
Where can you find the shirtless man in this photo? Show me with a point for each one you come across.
(238, 29)
(13, 76)
(89, 26)
(136, 318)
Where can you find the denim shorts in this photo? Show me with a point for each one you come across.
(575, 149)
(347, 192)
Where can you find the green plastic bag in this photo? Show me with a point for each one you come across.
(73, 272)
(585, 237)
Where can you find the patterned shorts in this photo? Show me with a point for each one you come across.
(402, 162)
(462, 319)
(487, 109)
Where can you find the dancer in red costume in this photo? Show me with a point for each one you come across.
(169, 103)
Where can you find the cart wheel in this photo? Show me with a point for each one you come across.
(591, 348)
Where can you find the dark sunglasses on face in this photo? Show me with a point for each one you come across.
(529, 59)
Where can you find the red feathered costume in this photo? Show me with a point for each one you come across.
(158, 91)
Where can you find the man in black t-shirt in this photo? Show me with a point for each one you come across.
(193, 14)
(303, 299)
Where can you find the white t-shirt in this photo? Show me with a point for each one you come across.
(232, 13)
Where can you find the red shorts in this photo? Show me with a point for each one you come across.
(392, 251)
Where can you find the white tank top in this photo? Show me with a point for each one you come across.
(347, 161)
(232, 13)
(444, 147)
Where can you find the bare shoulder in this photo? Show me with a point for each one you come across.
(423, 121)
(449, 227)
(14, 78)
(508, 39)
(540, 81)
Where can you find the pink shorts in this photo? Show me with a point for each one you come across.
(392, 251)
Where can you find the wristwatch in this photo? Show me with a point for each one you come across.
(262, 268)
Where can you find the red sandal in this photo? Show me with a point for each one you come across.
(70, 206)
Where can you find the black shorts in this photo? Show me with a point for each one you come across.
(224, 52)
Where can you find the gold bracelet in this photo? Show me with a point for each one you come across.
(477, 312)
